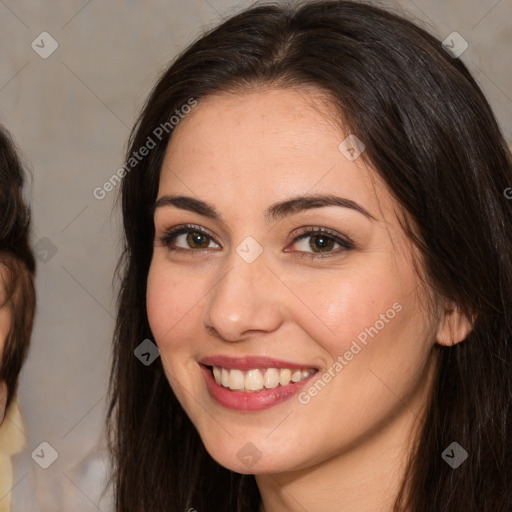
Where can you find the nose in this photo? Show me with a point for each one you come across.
(244, 302)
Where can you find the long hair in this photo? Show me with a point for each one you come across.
(431, 135)
(17, 265)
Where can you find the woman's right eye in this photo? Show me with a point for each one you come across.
(188, 238)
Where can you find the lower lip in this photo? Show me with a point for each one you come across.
(254, 400)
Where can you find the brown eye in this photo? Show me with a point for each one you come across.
(321, 243)
(197, 240)
(188, 238)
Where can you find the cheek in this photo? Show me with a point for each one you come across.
(341, 309)
(172, 305)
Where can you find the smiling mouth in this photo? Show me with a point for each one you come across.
(258, 379)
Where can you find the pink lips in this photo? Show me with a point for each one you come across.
(249, 401)
(249, 363)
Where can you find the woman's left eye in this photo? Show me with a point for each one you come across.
(321, 241)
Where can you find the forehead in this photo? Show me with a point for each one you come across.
(253, 148)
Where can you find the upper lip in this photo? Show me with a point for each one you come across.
(250, 362)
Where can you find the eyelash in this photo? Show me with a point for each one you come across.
(305, 232)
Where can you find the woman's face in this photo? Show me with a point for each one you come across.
(263, 288)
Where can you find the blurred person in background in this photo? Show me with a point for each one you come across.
(17, 306)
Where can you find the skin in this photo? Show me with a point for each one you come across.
(5, 326)
(346, 449)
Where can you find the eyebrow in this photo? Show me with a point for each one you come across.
(274, 212)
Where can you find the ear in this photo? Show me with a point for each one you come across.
(454, 326)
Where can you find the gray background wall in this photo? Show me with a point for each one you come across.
(71, 115)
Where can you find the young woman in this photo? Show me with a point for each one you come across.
(17, 305)
(317, 239)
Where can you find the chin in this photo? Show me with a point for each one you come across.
(254, 457)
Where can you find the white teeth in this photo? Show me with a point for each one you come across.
(271, 379)
(225, 377)
(285, 376)
(296, 375)
(253, 380)
(236, 379)
(256, 380)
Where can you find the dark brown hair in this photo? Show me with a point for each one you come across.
(431, 135)
(17, 262)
